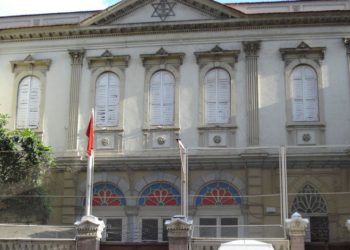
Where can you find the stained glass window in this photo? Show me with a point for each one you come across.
(107, 194)
(218, 194)
(160, 194)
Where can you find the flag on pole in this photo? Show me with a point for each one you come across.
(90, 135)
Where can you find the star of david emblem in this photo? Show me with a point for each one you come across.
(163, 9)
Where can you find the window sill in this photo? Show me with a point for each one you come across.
(108, 129)
(293, 125)
(160, 128)
(217, 126)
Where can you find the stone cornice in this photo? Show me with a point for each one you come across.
(215, 54)
(107, 59)
(162, 57)
(254, 22)
(29, 63)
(303, 50)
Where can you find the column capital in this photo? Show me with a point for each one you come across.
(347, 44)
(251, 48)
(89, 227)
(296, 225)
(179, 227)
(347, 224)
(77, 56)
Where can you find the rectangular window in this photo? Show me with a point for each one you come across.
(150, 230)
(229, 227)
(207, 227)
(114, 230)
(218, 227)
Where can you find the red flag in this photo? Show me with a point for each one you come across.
(90, 135)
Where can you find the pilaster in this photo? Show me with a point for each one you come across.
(76, 67)
(251, 50)
(296, 227)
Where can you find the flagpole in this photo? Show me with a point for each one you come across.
(90, 166)
(184, 178)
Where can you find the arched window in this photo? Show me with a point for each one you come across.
(309, 201)
(160, 194)
(107, 194)
(162, 98)
(311, 205)
(218, 194)
(28, 103)
(107, 100)
(217, 96)
(304, 94)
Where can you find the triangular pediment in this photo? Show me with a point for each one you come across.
(153, 11)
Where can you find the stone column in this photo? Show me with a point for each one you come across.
(296, 227)
(179, 232)
(132, 213)
(89, 233)
(77, 62)
(251, 50)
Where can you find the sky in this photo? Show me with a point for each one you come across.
(22, 7)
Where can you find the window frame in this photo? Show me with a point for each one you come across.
(30, 67)
(119, 103)
(289, 92)
(218, 229)
(160, 227)
(150, 102)
(124, 228)
(108, 139)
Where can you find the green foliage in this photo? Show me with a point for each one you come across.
(24, 161)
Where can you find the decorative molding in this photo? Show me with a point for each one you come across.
(303, 50)
(217, 54)
(162, 57)
(108, 60)
(258, 22)
(296, 225)
(30, 64)
(163, 9)
(118, 11)
(77, 56)
(251, 48)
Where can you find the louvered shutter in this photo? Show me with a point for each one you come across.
(217, 96)
(305, 97)
(162, 98)
(28, 103)
(107, 100)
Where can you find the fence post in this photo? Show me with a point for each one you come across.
(296, 227)
(89, 233)
(179, 232)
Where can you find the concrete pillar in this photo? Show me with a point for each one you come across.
(251, 50)
(77, 62)
(179, 232)
(132, 213)
(296, 227)
(89, 233)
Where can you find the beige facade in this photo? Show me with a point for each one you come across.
(236, 99)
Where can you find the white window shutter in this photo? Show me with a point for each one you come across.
(217, 96)
(305, 94)
(162, 98)
(107, 100)
(28, 103)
